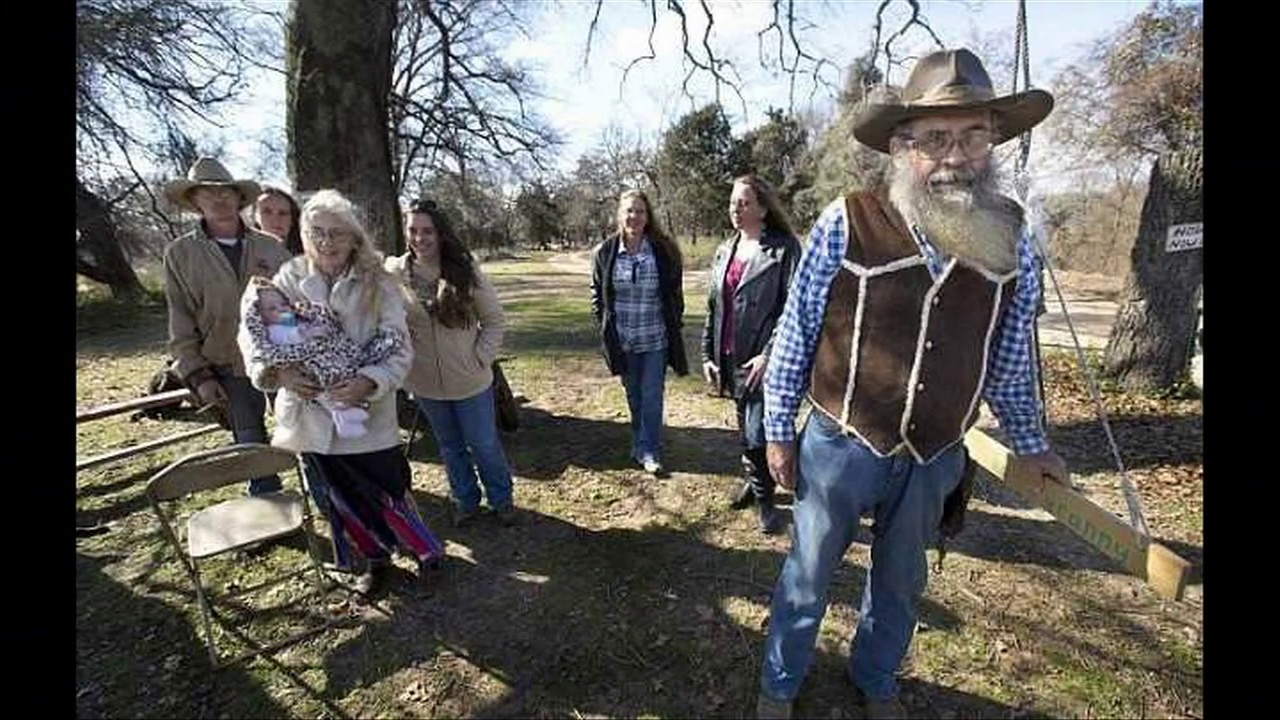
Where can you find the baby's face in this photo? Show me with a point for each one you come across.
(273, 306)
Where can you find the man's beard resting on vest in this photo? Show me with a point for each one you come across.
(963, 217)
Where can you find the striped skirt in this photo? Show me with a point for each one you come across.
(371, 511)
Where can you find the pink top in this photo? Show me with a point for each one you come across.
(732, 276)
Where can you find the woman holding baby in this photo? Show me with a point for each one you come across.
(370, 508)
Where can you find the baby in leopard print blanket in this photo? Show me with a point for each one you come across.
(309, 334)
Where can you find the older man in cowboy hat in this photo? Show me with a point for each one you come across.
(910, 304)
(205, 274)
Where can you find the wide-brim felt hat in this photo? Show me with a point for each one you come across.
(208, 172)
(946, 82)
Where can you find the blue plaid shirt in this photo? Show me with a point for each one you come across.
(637, 300)
(1010, 379)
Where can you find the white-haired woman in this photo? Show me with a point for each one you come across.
(366, 479)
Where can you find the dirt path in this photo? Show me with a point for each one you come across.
(1089, 300)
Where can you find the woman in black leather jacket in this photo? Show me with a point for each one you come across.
(747, 289)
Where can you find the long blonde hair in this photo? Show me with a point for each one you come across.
(365, 260)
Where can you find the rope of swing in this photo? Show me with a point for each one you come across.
(1022, 62)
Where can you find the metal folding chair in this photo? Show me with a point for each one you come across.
(234, 524)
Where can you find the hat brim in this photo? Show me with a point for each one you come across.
(179, 191)
(1017, 114)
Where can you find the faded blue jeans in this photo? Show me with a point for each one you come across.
(466, 432)
(645, 382)
(839, 480)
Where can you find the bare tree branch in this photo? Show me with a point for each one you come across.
(155, 202)
(123, 194)
(712, 65)
(914, 20)
(455, 101)
(800, 53)
(165, 63)
(773, 25)
(653, 26)
(591, 32)
(445, 55)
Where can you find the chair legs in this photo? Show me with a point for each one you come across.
(212, 469)
(205, 610)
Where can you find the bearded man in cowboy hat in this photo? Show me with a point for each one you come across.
(910, 304)
(205, 274)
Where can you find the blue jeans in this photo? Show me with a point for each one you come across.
(467, 433)
(840, 479)
(751, 423)
(645, 381)
(247, 407)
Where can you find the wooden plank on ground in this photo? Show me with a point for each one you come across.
(142, 403)
(144, 447)
(1135, 552)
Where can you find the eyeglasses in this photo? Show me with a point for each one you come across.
(333, 234)
(936, 144)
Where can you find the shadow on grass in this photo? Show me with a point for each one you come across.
(547, 444)
(138, 657)
(549, 618)
(1002, 538)
(1143, 441)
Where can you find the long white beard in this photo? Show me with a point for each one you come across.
(968, 221)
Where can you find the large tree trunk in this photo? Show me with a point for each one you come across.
(98, 253)
(1151, 343)
(339, 66)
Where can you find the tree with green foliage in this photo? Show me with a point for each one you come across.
(774, 151)
(1140, 95)
(697, 158)
(836, 163)
(538, 218)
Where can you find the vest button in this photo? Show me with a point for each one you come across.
(936, 299)
(920, 387)
(928, 344)
(912, 426)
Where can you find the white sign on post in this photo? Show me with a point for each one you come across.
(1184, 237)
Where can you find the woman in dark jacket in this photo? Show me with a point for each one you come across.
(638, 303)
(747, 291)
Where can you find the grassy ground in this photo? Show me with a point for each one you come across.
(622, 595)
(698, 255)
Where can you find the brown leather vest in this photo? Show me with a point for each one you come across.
(921, 344)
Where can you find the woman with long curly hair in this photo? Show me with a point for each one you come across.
(456, 323)
(638, 303)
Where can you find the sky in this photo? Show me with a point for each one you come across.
(581, 102)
